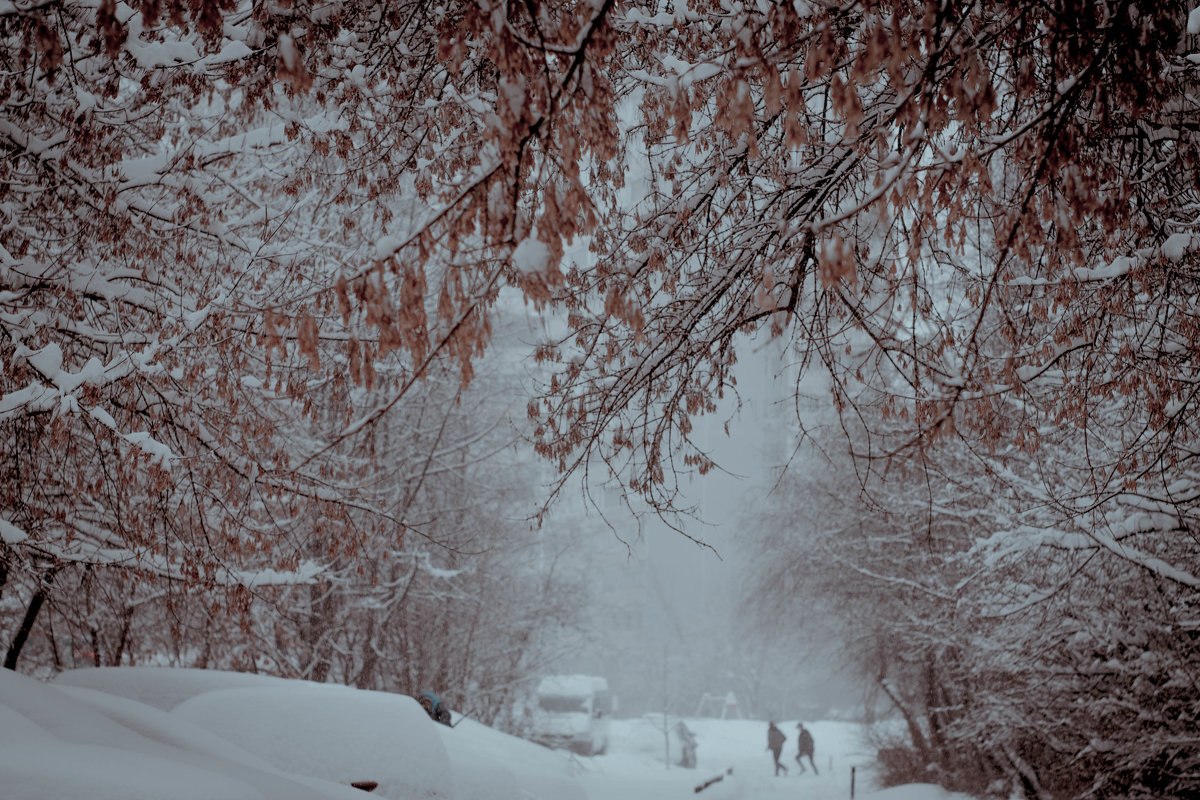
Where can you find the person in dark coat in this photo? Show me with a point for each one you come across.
(775, 740)
(434, 707)
(804, 747)
(687, 745)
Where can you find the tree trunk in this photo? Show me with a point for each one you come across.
(206, 651)
(935, 703)
(1027, 774)
(35, 605)
(914, 727)
(366, 674)
(58, 665)
(118, 653)
(319, 621)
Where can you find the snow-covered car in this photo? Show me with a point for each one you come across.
(337, 733)
(67, 743)
(342, 734)
(332, 732)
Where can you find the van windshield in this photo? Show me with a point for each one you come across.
(563, 703)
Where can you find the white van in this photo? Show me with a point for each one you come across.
(572, 712)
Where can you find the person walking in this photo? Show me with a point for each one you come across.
(804, 747)
(687, 745)
(775, 740)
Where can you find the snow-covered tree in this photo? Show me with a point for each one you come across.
(994, 198)
(1019, 649)
(237, 236)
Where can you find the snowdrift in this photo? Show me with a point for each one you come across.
(335, 734)
(56, 746)
(166, 687)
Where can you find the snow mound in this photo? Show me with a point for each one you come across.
(335, 733)
(540, 773)
(109, 773)
(916, 791)
(56, 746)
(332, 732)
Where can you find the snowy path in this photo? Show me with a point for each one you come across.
(634, 768)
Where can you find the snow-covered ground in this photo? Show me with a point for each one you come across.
(160, 734)
(635, 766)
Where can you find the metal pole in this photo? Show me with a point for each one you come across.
(852, 782)
(666, 729)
